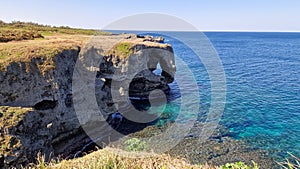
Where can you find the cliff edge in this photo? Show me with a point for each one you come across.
(37, 111)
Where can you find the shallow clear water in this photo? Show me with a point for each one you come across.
(263, 86)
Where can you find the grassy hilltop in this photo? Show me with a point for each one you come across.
(21, 41)
(17, 31)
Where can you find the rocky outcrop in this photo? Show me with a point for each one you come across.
(50, 125)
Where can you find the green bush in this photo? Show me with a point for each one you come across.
(135, 144)
(239, 165)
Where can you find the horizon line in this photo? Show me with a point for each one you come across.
(254, 31)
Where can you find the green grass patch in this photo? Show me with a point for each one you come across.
(135, 144)
(239, 165)
(122, 50)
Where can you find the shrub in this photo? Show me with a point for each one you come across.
(135, 144)
(239, 165)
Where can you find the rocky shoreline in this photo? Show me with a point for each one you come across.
(218, 150)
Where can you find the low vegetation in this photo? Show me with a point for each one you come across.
(123, 49)
(135, 144)
(9, 117)
(239, 165)
(7, 35)
(22, 41)
(45, 49)
(111, 158)
(17, 31)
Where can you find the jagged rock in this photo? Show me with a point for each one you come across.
(159, 39)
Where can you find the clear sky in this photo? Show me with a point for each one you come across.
(230, 15)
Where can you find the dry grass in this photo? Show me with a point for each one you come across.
(24, 51)
(9, 117)
(51, 45)
(110, 158)
(7, 34)
(113, 158)
(20, 41)
(17, 31)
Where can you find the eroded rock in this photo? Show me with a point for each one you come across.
(50, 124)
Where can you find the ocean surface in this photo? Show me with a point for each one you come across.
(262, 85)
(263, 88)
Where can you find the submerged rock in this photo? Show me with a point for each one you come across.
(213, 151)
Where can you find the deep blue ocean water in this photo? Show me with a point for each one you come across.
(263, 86)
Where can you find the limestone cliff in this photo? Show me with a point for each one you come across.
(37, 110)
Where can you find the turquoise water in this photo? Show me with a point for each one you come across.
(263, 86)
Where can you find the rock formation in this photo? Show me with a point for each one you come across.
(37, 109)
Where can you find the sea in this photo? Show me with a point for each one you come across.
(262, 77)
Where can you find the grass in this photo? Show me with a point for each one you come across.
(22, 41)
(112, 158)
(135, 144)
(25, 51)
(109, 158)
(123, 50)
(17, 31)
(9, 117)
(8, 34)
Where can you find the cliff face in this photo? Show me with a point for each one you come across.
(49, 123)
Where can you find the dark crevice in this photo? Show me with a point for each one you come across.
(45, 105)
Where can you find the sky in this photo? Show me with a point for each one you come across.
(205, 15)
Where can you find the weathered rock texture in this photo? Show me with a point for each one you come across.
(49, 125)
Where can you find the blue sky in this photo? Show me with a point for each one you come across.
(229, 15)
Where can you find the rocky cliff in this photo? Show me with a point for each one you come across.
(37, 111)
